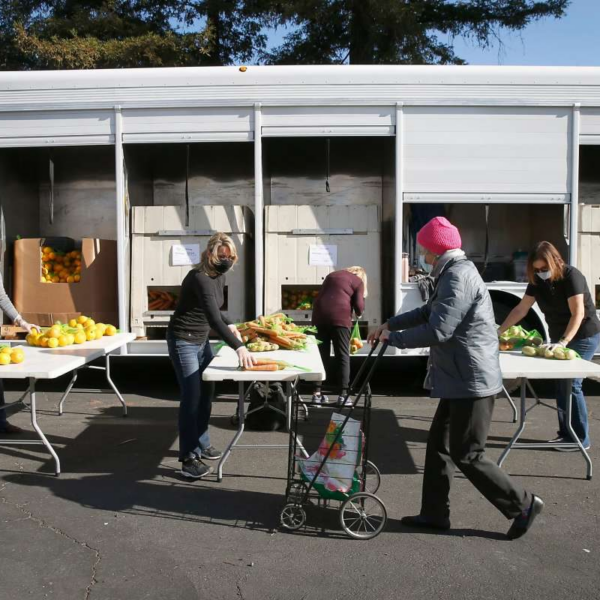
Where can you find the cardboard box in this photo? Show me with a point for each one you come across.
(44, 303)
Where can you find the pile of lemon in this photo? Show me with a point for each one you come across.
(60, 267)
(76, 331)
(10, 355)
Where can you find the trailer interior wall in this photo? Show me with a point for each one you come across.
(512, 228)
(220, 173)
(19, 203)
(487, 150)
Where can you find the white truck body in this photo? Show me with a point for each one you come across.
(402, 137)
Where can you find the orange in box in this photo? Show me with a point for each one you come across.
(94, 296)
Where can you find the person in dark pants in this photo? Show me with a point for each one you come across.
(342, 293)
(563, 296)
(458, 326)
(197, 311)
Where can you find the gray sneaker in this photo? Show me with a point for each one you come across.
(194, 468)
(211, 453)
(320, 399)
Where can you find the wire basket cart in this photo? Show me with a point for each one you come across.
(329, 461)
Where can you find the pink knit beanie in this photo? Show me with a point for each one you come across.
(439, 236)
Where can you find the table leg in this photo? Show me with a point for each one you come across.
(113, 386)
(67, 391)
(519, 431)
(574, 436)
(240, 430)
(512, 404)
(37, 428)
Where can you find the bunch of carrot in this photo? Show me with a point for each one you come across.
(276, 329)
(161, 300)
(269, 364)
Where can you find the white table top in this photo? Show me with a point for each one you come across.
(516, 365)
(49, 363)
(224, 366)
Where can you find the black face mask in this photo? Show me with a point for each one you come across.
(223, 265)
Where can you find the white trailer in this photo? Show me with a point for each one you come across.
(511, 151)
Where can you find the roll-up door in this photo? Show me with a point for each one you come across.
(589, 132)
(187, 125)
(58, 128)
(309, 121)
(491, 150)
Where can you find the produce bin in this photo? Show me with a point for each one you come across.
(95, 294)
(306, 243)
(164, 249)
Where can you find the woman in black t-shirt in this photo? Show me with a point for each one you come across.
(563, 296)
(197, 312)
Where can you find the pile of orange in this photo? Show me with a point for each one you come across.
(10, 355)
(60, 267)
(76, 331)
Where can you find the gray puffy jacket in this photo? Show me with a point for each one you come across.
(459, 327)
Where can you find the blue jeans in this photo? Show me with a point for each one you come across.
(189, 361)
(579, 416)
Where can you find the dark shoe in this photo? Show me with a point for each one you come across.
(521, 524)
(11, 429)
(194, 468)
(567, 440)
(211, 453)
(422, 522)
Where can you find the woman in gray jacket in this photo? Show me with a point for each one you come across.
(458, 326)
(7, 307)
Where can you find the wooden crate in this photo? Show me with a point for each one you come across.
(155, 230)
(291, 230)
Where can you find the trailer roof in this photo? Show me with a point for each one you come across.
(346, 84)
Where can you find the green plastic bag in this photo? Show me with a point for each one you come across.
(355, 335)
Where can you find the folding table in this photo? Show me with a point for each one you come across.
(224, 367)
(526, 368)
(47, 363)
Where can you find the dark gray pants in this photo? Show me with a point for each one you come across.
(338, 369)
(457, 439)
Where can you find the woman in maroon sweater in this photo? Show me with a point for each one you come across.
(342, 293)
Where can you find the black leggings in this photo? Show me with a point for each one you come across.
(338, 367)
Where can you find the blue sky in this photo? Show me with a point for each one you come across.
(573, 40)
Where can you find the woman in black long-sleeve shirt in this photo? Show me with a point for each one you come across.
(197, 312)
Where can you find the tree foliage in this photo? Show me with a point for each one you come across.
(398, 31)
(85, 34)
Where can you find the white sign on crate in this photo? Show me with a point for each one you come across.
(185, 254)
(322, 255)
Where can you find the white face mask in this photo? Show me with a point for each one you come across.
(424, 266)
(544, 275)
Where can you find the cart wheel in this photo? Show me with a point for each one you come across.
(372, 478)
(234, 420)
(363, 516)
(292, 517)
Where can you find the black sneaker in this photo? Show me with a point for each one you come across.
(523, 522)
(211, 453)
(193, 468)
(421, 522)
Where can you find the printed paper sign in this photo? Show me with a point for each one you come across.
(185, 255)
(322, 256)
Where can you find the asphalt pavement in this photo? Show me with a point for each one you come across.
(120, 523)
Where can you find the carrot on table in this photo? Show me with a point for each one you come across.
(269, 367)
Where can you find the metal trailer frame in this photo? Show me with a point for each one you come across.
(43, 109)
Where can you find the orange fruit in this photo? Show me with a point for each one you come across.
(52, 256)
(99, 334)
(45, 258)
(17, 356)
(44, 341)
(6, 350)
(70, 279)
(56, 279)
(80, 337)
(89, 323)
(73, 323)
(110, 330)
(46, 250)
(63, 340)
(76, 278)
(4, 359)
(82, 319)
(59, 259)
(90, 335)
(70, 339)
(52, 342)
(54, 331)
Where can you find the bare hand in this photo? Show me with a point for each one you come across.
(246, 359)
(376, 334)
(385, 336)
(28, 327)
(235, 332)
